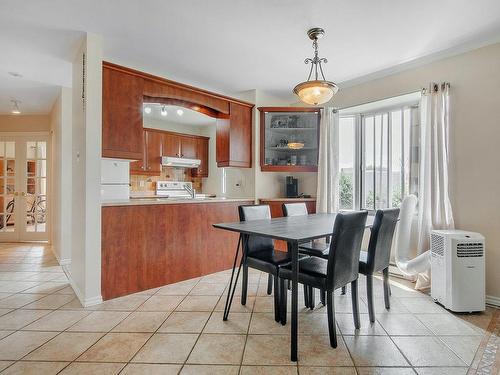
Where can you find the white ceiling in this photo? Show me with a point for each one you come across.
(237, 45)
(189, 117)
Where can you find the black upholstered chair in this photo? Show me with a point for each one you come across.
(260, 254)
(314, 248)
(330, 274)
(377, 257)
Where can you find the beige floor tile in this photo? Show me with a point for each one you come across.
(35, 368)
(236, 323)
(150, 369)
(463, 346)
(264, 324)
(198, 303)
(19, 300)
(20, 318)
(185, 322)
(374, 351)
(423, 305)
(263, 304)
(316, 351)
(141, 321)
(148, 292)
(65, 347)
(161, 303)
(127, 303)
(402, 324)
(115, 347)
(267, 350)
(442, 371)
(427, 351)
(93, 368)
(178, 289)
(210, 370)
(5, 311)
(166, 348)
(17, 286)
(219, 277)
(5, 334)
(236, 306)
(448, 324)
(53, 301)
(20, 343)
(68, 290)
(345, 324)
(5, 364)
(76, 305)
(316, 370)
(207, 289)
(218, 349)
(48, 287)
(57, 320)
(99, 321)
(313, 324)
(385, 371)
(268, 370)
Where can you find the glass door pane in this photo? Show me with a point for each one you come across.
(36, 186)
(7, 185)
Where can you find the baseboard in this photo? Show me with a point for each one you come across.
(61, 261)
(86, 302)
(493, 301)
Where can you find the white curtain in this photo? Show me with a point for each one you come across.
(434, 202)
(327, 195)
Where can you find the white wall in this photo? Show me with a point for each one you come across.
(85, 268)
(60, 124)
(474, 138)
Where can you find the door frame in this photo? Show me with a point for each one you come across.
(44, 136)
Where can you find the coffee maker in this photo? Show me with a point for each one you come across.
(291, 187)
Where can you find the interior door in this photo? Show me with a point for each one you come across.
(24, 180)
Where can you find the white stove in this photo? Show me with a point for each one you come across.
(174, 189)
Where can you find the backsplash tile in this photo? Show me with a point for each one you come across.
(167, 174)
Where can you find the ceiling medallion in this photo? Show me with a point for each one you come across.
(316, 91)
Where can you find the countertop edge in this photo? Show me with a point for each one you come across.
(153, 201)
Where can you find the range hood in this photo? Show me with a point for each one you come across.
(168, 161)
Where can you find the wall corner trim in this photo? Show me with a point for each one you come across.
(86, 302)
(492, 300)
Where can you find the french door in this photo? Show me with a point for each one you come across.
(24, 176)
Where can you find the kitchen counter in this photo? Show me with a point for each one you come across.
(312, 199)
(154, 201)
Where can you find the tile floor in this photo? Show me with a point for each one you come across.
(179, 329)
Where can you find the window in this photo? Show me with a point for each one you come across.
(378, 155)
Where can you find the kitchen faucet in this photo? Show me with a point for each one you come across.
(190, 190)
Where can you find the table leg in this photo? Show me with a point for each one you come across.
(295, 289)
(232, 288)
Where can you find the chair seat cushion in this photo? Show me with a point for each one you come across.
(312, 271)
(363, 262)
(268, 260)
(315, 248)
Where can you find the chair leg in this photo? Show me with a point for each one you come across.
(306, 295)
(312, 301)
(269, 284)
(387, 288)
(322, 295)
(330, 306)
(283, 299)
(369, 296)
(244, 285)
(355, 303)
(343, 290)
(277, 316)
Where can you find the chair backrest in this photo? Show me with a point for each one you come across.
(379, 247)
(294, 209)
(256, 212)
(343, 259)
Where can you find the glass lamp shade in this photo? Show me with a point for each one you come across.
(315, 92)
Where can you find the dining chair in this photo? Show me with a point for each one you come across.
(314, 248)
(341, 268)
(377, 257)
(259, 253)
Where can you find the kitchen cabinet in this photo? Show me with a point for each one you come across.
(150, 162)
(121, 114)
(171, 145)
(202, 154)
(189, 147)
(289, 139)
(234, 137)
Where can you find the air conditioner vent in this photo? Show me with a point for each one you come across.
(470, 249)
(437, 244)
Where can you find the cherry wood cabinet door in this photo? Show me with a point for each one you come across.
(188, 147)
(139, 166)
(171, 145)
(202, 154)
(122, 95)
(153, 150)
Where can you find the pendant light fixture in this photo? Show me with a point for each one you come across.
(316, 91)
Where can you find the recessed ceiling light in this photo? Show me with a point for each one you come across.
(147, 110)
(180, 112)
(16, 74)
(15, 107)
(163, 111)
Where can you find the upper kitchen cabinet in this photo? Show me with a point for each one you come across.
(202, 154)
(150, 162)
(234, 137)
(122, 95)
(289, 139)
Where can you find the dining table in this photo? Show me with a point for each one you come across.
(295, 230)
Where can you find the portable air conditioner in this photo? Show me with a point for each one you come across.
(458, 270)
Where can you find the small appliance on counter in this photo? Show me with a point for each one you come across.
(291, 187)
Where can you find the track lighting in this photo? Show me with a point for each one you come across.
(180, 112)
(147, 110)
(163, 111)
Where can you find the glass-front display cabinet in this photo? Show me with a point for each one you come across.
(289, 139)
